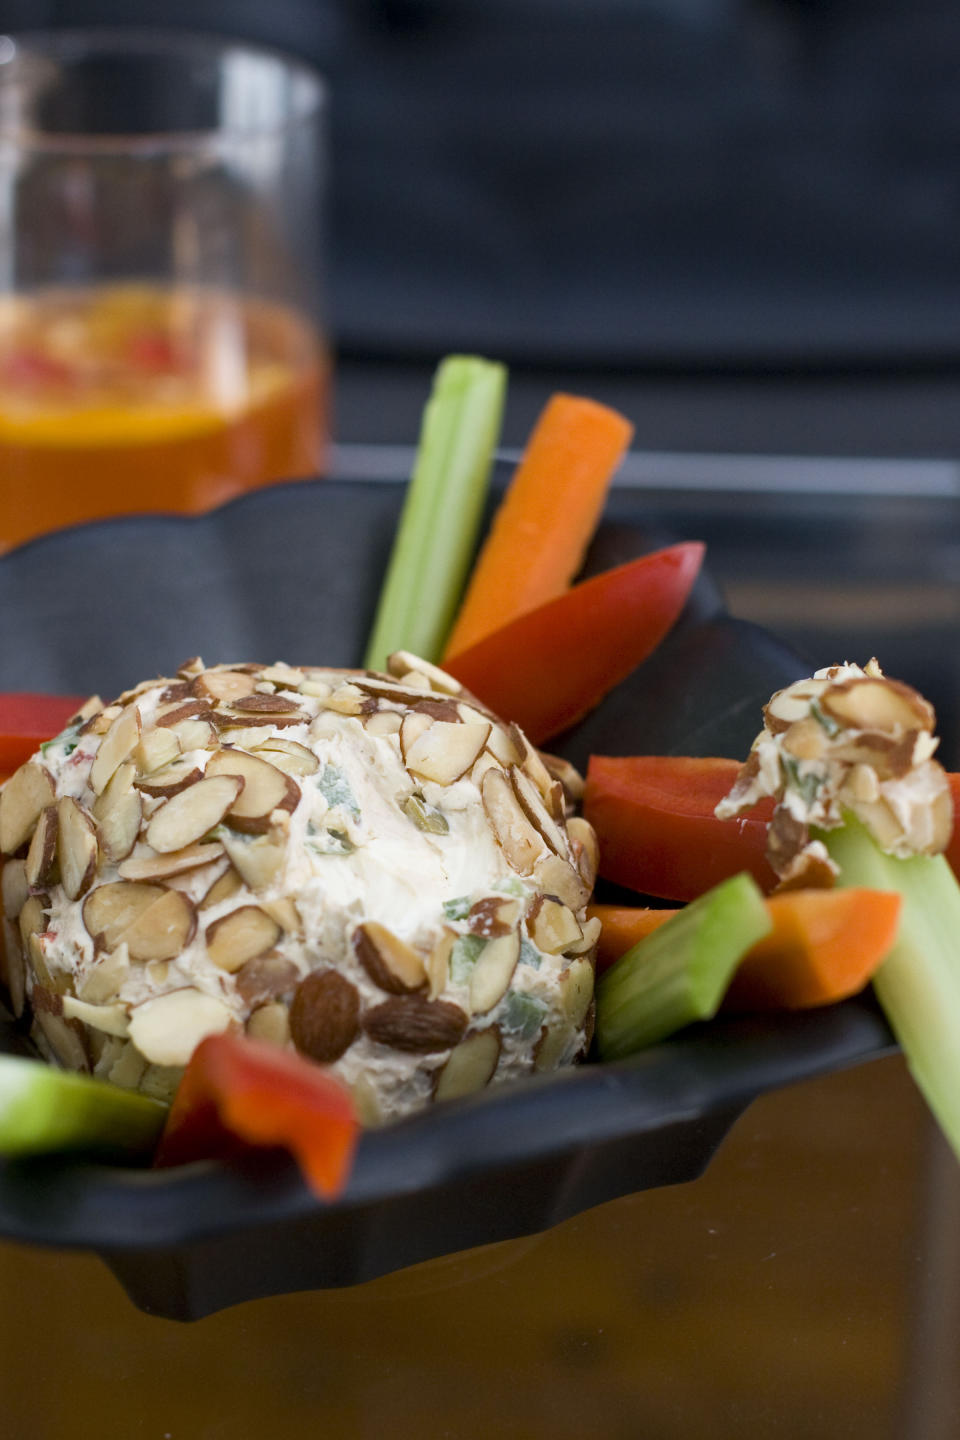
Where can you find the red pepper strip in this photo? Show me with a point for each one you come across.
(657, 832)
(237, 1092)
(953, 849)
(26, 720)
(551, 666)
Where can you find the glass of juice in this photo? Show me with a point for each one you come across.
(162, 342)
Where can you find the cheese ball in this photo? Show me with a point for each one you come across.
(372, 869)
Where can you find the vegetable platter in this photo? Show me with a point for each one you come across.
(296, 570)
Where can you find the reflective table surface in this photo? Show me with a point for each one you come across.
(807, 1285)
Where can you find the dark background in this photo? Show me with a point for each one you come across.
(739, 218)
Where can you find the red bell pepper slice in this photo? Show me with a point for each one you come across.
(26, 720)
(551, 666)
(237, 1092)
(656, 829)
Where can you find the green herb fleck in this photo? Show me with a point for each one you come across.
(523, 1014)
(335, 789)
(463, 957)
(832, 727)
(529, 954)
(425, 816)
(329, 842)
(806, 784)
(457, 909)
(510, 886)
(67, 741)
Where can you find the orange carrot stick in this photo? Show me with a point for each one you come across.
(547, 518)
(623, 926)
(824, 946)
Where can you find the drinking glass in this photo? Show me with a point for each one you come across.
(162, 342)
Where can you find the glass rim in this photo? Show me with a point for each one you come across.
(74, 43)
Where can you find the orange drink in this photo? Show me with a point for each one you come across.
(117, 398)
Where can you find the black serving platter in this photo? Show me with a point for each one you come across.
(292, 572)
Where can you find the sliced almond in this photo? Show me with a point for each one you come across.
(555, 1042)
(227, 685)
(285, 677)
(265, 789)
(266, 978)
(534, 807)
(316, 686)
(180, 710)
(116, 746)
(100, 722)
(193, 812)
(415, 1024)
(499, 742)
(127, 1066)
(481, 765)
(266, 704)
(22, 800)
(167, 1029)
(14, 887)
(324, 1015)
(172, 690)
(588, 940)
(532, 765)
(286, 914)
(77, 848)
(154, 922)
(553, 926)
(877, 704)
(559, 878)
(366, 1102)
(288, 755)
(389, 961)
(520, 842)
(88, 709)
(445, 751)
(157, 748)
(32, 920)
(233, 720)
(118, 813)
(195, 734)
(170, 780)
(103, 980)
(270, 1023)
(177, 862)
(14, 968)
(567, 775)
(402, 663)
(470, 1066)
(415, 723)
(437, 964)
(576, 991)
(111, 1019)
(586, 850)
(223, 888)
(491, 975)
(63, 1038)
(41, 860)
(493, 916)
(259, 859)
(190, 668)
(383, 723)
(241, 935)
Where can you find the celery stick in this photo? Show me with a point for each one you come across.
(918, 984)
(44, 1110)
(437, 534)
(681, 971)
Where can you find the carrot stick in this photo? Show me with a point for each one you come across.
(547, 518)
(623, 926)
(824, 946)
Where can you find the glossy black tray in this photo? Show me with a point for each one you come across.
(292, 573)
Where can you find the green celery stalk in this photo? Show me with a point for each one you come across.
(680, 972)
(918, 984)
(438, 529)
(44, 1110)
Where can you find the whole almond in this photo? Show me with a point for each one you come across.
(324, 1015)
(414, 1023)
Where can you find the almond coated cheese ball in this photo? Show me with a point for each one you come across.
(373, 869)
